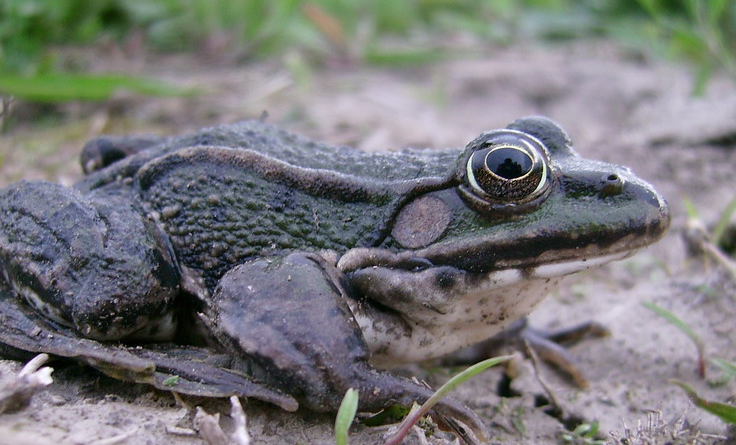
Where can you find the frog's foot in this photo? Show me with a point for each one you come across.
(201, 372)
(550, 346)
(289, 318)
(182, 369)
(105, 150)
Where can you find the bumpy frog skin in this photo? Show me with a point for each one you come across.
(246, 260)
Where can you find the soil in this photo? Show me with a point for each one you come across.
(618, 105)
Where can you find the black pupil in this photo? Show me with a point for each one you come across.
(509, 163)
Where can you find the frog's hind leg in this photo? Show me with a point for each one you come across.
(182, 369)
(78, 268)
(95, 262)
(290, 318)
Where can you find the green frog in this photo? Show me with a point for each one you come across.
(246, 260)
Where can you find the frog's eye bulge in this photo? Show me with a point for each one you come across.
(506, 167)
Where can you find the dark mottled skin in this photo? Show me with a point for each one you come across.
(218, 215)
(289, 258)
(106, 257)
(221, 206)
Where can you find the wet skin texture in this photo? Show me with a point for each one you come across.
(254, 262)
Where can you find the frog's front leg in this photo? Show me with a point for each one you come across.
(289, 317)
(94, 263)
(550, 346)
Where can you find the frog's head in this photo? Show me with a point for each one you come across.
(527, 201)
(521, 210)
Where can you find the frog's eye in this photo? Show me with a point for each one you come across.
(507, 169)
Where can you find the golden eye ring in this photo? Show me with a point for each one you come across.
(507, 168)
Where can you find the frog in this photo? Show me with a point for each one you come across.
(247, 260)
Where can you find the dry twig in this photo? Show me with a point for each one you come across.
(210, 430)
(16, 393)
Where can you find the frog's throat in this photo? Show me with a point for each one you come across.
(409, 316)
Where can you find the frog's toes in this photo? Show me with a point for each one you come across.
(183, 369)
(549, 346)
(448, 410)
(197, 371)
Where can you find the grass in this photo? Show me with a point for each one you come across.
(345, 416)
(371, 31)
(728, 368)
(677, 322)
(724, 411)
(716, 244)
(584, 434)
(700, 31)
(349, 406)
(63, 87)
(719, 230)
(416, 414)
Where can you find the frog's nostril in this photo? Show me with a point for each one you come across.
(612, 185)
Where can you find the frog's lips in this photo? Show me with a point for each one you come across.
(547, 263)
(593, 249)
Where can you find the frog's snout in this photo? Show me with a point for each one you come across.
(632, 206)
(661, 222)
(656, 210)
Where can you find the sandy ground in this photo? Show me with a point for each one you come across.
(617, 105)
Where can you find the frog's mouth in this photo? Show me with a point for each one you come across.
(412, 284)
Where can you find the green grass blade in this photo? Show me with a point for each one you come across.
(673, 319)
(727, 413)
(723, 222)
(690, 210)
(727, 367)
(652, 7)
(684, 328)
(404, 57)
(456, 380)
(345, 416)
(716, 10)
(171, 381)
(60, 87)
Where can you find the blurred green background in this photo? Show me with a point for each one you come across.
(33, 33)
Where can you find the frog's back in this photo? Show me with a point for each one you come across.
(230, 193)
(290, 148)
(301, 151)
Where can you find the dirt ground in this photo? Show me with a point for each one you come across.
(617, 105)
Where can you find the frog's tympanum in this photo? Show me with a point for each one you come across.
(246, 260)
